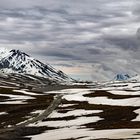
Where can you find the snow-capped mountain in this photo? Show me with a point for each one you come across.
(120, 82)
(15, 61)
(126, 78)
(122, 77)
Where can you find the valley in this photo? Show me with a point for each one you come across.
(38, 102)
(78, 112)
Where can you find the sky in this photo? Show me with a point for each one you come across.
(87, 39)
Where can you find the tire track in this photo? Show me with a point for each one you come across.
(45, 114)
(40, 117)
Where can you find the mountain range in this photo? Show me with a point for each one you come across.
(18, 62)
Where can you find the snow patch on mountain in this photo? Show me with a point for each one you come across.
(122, 77)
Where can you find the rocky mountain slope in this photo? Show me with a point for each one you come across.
(15, 61)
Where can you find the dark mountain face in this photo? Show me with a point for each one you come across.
(15, 61)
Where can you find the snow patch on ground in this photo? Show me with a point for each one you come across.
(87, 134)
(77, 112)
(65, 105)
(3, 113)
(37, 112)
(17, 97)
(103, 100)
(70, 91)
(122, 92)
(76, 122)
(13, 102)
(138, 117)
(26, 92)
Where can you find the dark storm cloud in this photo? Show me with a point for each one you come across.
(128, 42)
(61, 55)
(97, 37)
(94, 51)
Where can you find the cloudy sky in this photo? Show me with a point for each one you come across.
(87, 39)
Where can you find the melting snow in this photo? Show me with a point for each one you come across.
(3, 113)
(87, 134)
(63, 123)
(77, 112)
(138, 117)
(103, 100)
(26, 92)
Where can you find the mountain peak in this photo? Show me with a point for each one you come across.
(18, 52)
